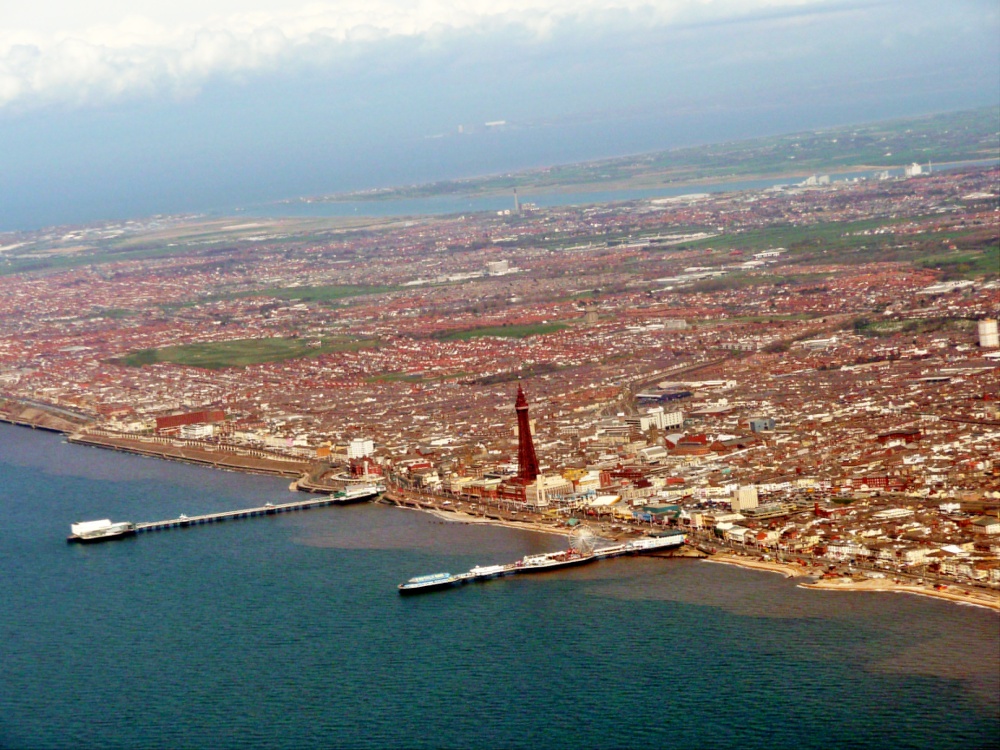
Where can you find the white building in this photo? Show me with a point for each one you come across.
(988, 337)
(892, 514)
(653, 454)
(360, 447)
(744, 498)
(497, 267)
(197, 431)
(658, 418)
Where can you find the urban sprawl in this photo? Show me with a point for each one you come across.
(806, 374)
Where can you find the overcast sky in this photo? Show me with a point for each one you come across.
(184, 104)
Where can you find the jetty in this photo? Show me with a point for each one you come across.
(270, 509)
(547, 561)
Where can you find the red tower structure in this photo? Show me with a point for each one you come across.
(527, 462)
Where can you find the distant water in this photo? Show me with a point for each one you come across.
(288, 632)
(457, 204)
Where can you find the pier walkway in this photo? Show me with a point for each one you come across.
(228, 515)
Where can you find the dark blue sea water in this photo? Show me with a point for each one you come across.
(288, 632)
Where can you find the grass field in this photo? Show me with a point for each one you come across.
(826, 235)
(842, 242)
(509, 332)
(881, 328)
(243, 352)
(327, 293)
(966, 265)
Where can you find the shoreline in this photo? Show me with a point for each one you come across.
(37, 418)
(788, 570)
(210, 456)
(982, 599)
(985, 599)
(457, 516)
(195, 455)
(655, 181)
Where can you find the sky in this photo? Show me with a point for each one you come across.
(180, 105)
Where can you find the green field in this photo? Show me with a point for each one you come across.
(243, 352)
(826, 235)
(326, 293)
(843, 242)
(962, 265)
(883, 328)
(509, 332)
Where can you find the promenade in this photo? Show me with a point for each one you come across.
(219, 457)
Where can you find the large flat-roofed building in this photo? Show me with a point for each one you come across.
(497, 267)
(744, 498)
(658, 418)
(172, 423)
(360, 447)
(988, 336)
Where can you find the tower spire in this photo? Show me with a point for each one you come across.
(527, 462)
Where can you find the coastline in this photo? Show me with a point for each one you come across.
(788, 570)
(195, 454)
(457, 516)
(259, 466)
(653, 181)
(38, 418)
(988, 600)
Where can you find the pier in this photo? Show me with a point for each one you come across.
(232, 515)
(547, 561)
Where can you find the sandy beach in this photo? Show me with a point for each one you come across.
(457, 516)
(977, 597)
(789, 570)
(953, 593)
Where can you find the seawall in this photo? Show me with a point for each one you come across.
(219, 458)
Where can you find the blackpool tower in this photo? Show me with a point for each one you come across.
(527, 463)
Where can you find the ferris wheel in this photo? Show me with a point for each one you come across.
(583, 540)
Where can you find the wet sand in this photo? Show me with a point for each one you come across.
(977, 597)
(789, 570)
(457, 516)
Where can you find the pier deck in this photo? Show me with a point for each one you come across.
(232, 515)
(544, 562)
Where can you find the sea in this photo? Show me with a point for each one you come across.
(459, 204)
(288, 632)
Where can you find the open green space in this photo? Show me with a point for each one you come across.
(509, 332)
(963, 265)
(845, 242)
(242, 352)
(801, 282)
(882, 328)
(826, 235)
(325, 293)
(16, 264)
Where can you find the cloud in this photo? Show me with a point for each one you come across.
(137, 56)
